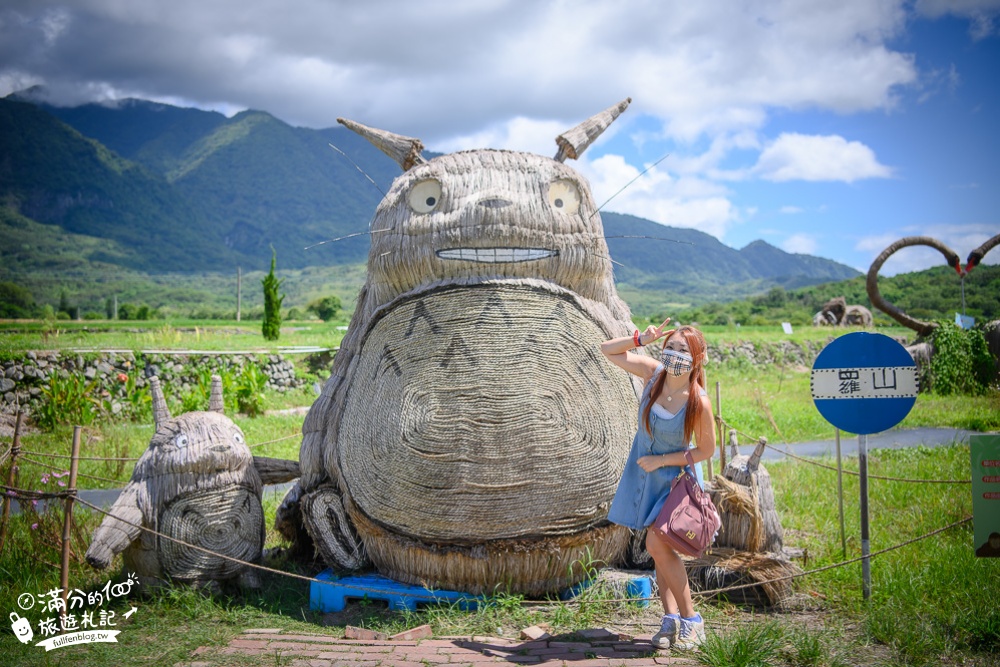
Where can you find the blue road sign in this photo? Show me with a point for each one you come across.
(864, 383)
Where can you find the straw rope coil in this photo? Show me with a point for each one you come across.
(226, 521)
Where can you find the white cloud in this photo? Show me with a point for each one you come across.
(791, 210)
(517, 134)
(801, 243)
(982, 14)
(795, 156)
(438, 70)
(656, 195)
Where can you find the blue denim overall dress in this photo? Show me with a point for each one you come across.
(640, 495)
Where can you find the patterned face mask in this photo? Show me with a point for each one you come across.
(676, 363)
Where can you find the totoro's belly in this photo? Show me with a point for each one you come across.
(485, 412)
(226, 521)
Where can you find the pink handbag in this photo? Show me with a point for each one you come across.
(688, 521)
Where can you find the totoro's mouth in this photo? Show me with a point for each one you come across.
(497, 255)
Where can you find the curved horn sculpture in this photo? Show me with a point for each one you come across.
(215, 402)
(405, 151)
(976, 255)
(573, 142)
(161, 413)
(871, 284)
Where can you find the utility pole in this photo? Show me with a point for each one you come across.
(114, 315)
(239, 290)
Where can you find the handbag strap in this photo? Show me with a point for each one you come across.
(690, 459)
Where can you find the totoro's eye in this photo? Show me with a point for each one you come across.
(181, 440)
(238, 438)
(425, 196)
(564, 196)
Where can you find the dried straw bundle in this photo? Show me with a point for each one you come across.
(529, 566)
(722, 567)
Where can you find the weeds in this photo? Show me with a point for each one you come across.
(67, 400)
(756, 644)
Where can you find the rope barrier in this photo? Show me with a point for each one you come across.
(270, 442)
(28, 494)
(716, 591)
(79, 458)
(94, 477)
(846, 472)
(832, 566)
(130, 458)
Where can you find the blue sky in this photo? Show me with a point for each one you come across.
(827, 127)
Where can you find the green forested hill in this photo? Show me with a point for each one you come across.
(933, 294)
(158, 190)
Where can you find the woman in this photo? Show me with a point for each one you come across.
(674, 407)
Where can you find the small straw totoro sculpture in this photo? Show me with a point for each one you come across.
(197, 483)
(471, 434)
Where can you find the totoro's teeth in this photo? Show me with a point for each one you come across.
(495, 255)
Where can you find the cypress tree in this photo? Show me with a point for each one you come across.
(272, 302)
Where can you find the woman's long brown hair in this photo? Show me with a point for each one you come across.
(696, 344)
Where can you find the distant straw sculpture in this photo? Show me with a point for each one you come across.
(198, 483)
(471, 434)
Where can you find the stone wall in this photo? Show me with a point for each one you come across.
(766, 354)
(22, 378)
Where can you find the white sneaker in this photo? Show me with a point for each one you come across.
(691, 633)
(668, 631)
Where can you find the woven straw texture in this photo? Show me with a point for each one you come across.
(528, 567)
(225, 521)
(471, 433)
(195, 482)
(450, 436)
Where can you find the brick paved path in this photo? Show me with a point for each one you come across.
(598, 648)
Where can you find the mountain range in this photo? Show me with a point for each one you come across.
(160, 189)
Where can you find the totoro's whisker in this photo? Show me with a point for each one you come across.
(641, 174)
(341, 238)
(652, 238)
(607, 258)
(363, 173)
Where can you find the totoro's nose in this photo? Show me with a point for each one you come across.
(495, 203)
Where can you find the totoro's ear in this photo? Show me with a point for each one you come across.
(215, 402)
(161, 413)
(573, 142)
(404, 150)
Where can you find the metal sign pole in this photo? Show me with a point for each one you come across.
(864, 383)
(866, 567)
(840, 497)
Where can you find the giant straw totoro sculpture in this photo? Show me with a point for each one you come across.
(196, 482)
(471, 435)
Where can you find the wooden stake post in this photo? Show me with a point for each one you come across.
(15, 451)
(68, 518)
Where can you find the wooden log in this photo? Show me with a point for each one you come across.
(745, 500)
(276, 471)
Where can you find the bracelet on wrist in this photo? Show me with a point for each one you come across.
(637, 339)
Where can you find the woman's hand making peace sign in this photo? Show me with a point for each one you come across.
(653, 332)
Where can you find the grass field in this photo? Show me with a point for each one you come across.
(932, 601)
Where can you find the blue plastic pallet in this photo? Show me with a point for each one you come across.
(640, 588)
(334, 594)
